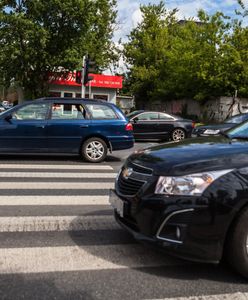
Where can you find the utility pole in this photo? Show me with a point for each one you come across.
(82, 78)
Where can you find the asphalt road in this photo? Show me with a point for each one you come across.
(59, 240)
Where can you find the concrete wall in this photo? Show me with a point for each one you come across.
(192, 107)
(216, 110)
(224, 107)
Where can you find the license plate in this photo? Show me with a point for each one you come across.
(116, 202)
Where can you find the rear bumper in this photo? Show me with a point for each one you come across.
(121, 142)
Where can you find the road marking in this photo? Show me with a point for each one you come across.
(55, 185)
(57, 223)
(75, 258)
(57, 175)
(55, 167)
(53, 200)
(234, 296)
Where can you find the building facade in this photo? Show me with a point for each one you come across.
(103, 87)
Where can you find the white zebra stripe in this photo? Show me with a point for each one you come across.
(53, 200)
(75, 258)
(234, 296)
(55, 167)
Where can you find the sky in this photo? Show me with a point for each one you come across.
(129, 13)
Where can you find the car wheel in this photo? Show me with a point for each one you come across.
(237, 245)
(94, 150)
(178, 134)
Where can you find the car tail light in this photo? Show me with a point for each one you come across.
(193, 124)
(129, 127)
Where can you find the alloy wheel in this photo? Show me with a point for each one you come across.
(178, 135)
(95, 150)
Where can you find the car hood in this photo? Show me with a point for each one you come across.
(193, 156)
(215, 126)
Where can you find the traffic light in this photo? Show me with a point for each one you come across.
(79, 77)
(89, 67)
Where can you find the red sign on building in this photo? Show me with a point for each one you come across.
(104, 81)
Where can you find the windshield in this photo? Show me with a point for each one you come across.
(240, 130)
(236, 119)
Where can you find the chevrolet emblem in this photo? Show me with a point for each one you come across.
(127, 172)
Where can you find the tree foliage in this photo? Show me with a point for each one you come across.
(41, 36)
(169, 59)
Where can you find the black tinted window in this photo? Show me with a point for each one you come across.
(163, 116)
(147, 116)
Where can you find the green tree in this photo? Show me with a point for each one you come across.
(147, 50)
(188, 59)
(42, 36)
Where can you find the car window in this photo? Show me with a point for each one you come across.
(130, 115)
(31, 112)
(163, 116)
(149, 116)
(239, 130)
(236, 119)
(66, 111)
(99, 111)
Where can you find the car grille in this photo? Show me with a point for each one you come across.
(129, 186)
(141, 169)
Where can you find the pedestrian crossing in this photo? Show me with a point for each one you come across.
(56, 222)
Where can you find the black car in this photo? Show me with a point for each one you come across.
(216, 129)
(189, 198)
(152, 125)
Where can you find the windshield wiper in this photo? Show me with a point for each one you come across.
(224, 134)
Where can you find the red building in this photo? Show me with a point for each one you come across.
(101, 87)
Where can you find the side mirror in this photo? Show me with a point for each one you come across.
(8, 118)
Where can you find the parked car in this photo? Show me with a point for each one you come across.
(58, 125)
(214, 129)
(152, 125)
(189, 198)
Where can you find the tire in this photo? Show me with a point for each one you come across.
(236, 251)
(94, 150)
(178, 134)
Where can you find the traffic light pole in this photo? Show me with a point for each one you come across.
(82, 79)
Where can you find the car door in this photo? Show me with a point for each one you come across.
(67, 126)
(145, 125)
(23, 130)
(165, 125)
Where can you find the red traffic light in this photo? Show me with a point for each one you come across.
(79, 77)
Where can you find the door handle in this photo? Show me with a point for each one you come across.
(84, 126)
(40, 126)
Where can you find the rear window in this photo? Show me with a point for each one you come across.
(100, 112)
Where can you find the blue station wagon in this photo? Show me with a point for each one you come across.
(86, 127)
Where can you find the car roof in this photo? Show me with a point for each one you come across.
(69, 100)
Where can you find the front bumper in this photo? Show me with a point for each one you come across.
(180, 226)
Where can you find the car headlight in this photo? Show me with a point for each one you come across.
(194, 184)
(211, 131)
